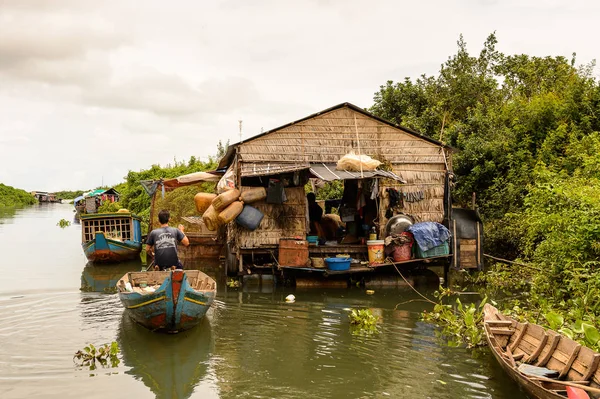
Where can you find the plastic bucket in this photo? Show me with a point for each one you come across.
(338, 263)
(402, 252)
(375, 249)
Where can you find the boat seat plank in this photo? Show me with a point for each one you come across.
(501, 331)
(507, 323)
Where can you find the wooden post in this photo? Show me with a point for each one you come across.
(473, 201)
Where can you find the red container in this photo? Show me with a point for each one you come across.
(402, 252)
(293, 252)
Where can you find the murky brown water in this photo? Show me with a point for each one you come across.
(251, 345)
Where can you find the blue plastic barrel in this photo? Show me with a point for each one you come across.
(250, 217)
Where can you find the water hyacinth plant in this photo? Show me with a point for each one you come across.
(105, 355)
(363, 321)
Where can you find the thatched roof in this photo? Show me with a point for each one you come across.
(228, 157)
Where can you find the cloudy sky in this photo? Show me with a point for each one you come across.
(92, 89)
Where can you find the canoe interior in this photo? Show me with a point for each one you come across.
(524, 343)
(198, 280)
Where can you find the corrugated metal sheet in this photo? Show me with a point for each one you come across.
(328, 172)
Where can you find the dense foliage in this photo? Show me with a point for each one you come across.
(134, 198)
(10, 196)
(527, 133)
(70, 194)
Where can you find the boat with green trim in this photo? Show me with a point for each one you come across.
(169, 301)
(111, 237)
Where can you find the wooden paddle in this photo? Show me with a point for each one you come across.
(568, 384)
(150, 265)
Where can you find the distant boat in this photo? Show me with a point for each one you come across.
(111, 237)
(168, 301)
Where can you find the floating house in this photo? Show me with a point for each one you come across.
(91, 201)
(413, 181)
(43, 196)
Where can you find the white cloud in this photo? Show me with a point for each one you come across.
(171, 80)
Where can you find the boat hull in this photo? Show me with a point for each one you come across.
(534, 390)
(530, 354)
(102, 249)
(175, 306)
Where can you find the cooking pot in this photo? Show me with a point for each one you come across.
(398, 224)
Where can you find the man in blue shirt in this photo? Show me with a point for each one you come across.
(162, 243)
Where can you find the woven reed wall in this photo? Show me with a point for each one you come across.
(285, 220)
(326, 138)
(428, 179)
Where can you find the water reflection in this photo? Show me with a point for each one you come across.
(172, 366)
(6, 214)
(103, 278)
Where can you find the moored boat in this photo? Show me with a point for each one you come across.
(542, 361)
(169, 301)
(111, 237)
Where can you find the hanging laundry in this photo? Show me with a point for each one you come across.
(414, 196)
(395, 199)
(375, 189)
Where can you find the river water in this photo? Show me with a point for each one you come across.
(252, 344)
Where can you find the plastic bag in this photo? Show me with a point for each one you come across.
(352, 162)
(227, 182)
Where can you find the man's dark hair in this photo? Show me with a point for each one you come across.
(311, 197)
(163, 216)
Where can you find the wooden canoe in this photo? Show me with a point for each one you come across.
(542, 361)
(169, 301)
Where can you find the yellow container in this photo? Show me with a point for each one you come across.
(203, 201)
(223, 200)
(231, 212)
(211, 218)
(253, 194)
(376, 251)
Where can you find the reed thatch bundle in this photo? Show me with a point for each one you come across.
(329, 136)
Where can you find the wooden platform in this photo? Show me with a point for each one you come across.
(360, 268)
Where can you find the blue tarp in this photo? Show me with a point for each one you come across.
(76, 200)
(429, 234)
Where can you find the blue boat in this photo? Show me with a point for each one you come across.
(111, 237)
(168, 301)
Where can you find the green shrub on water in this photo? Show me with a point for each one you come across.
(461, 324)
(233, 283)
(62, 223)
(105, 355)
(363, 321)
